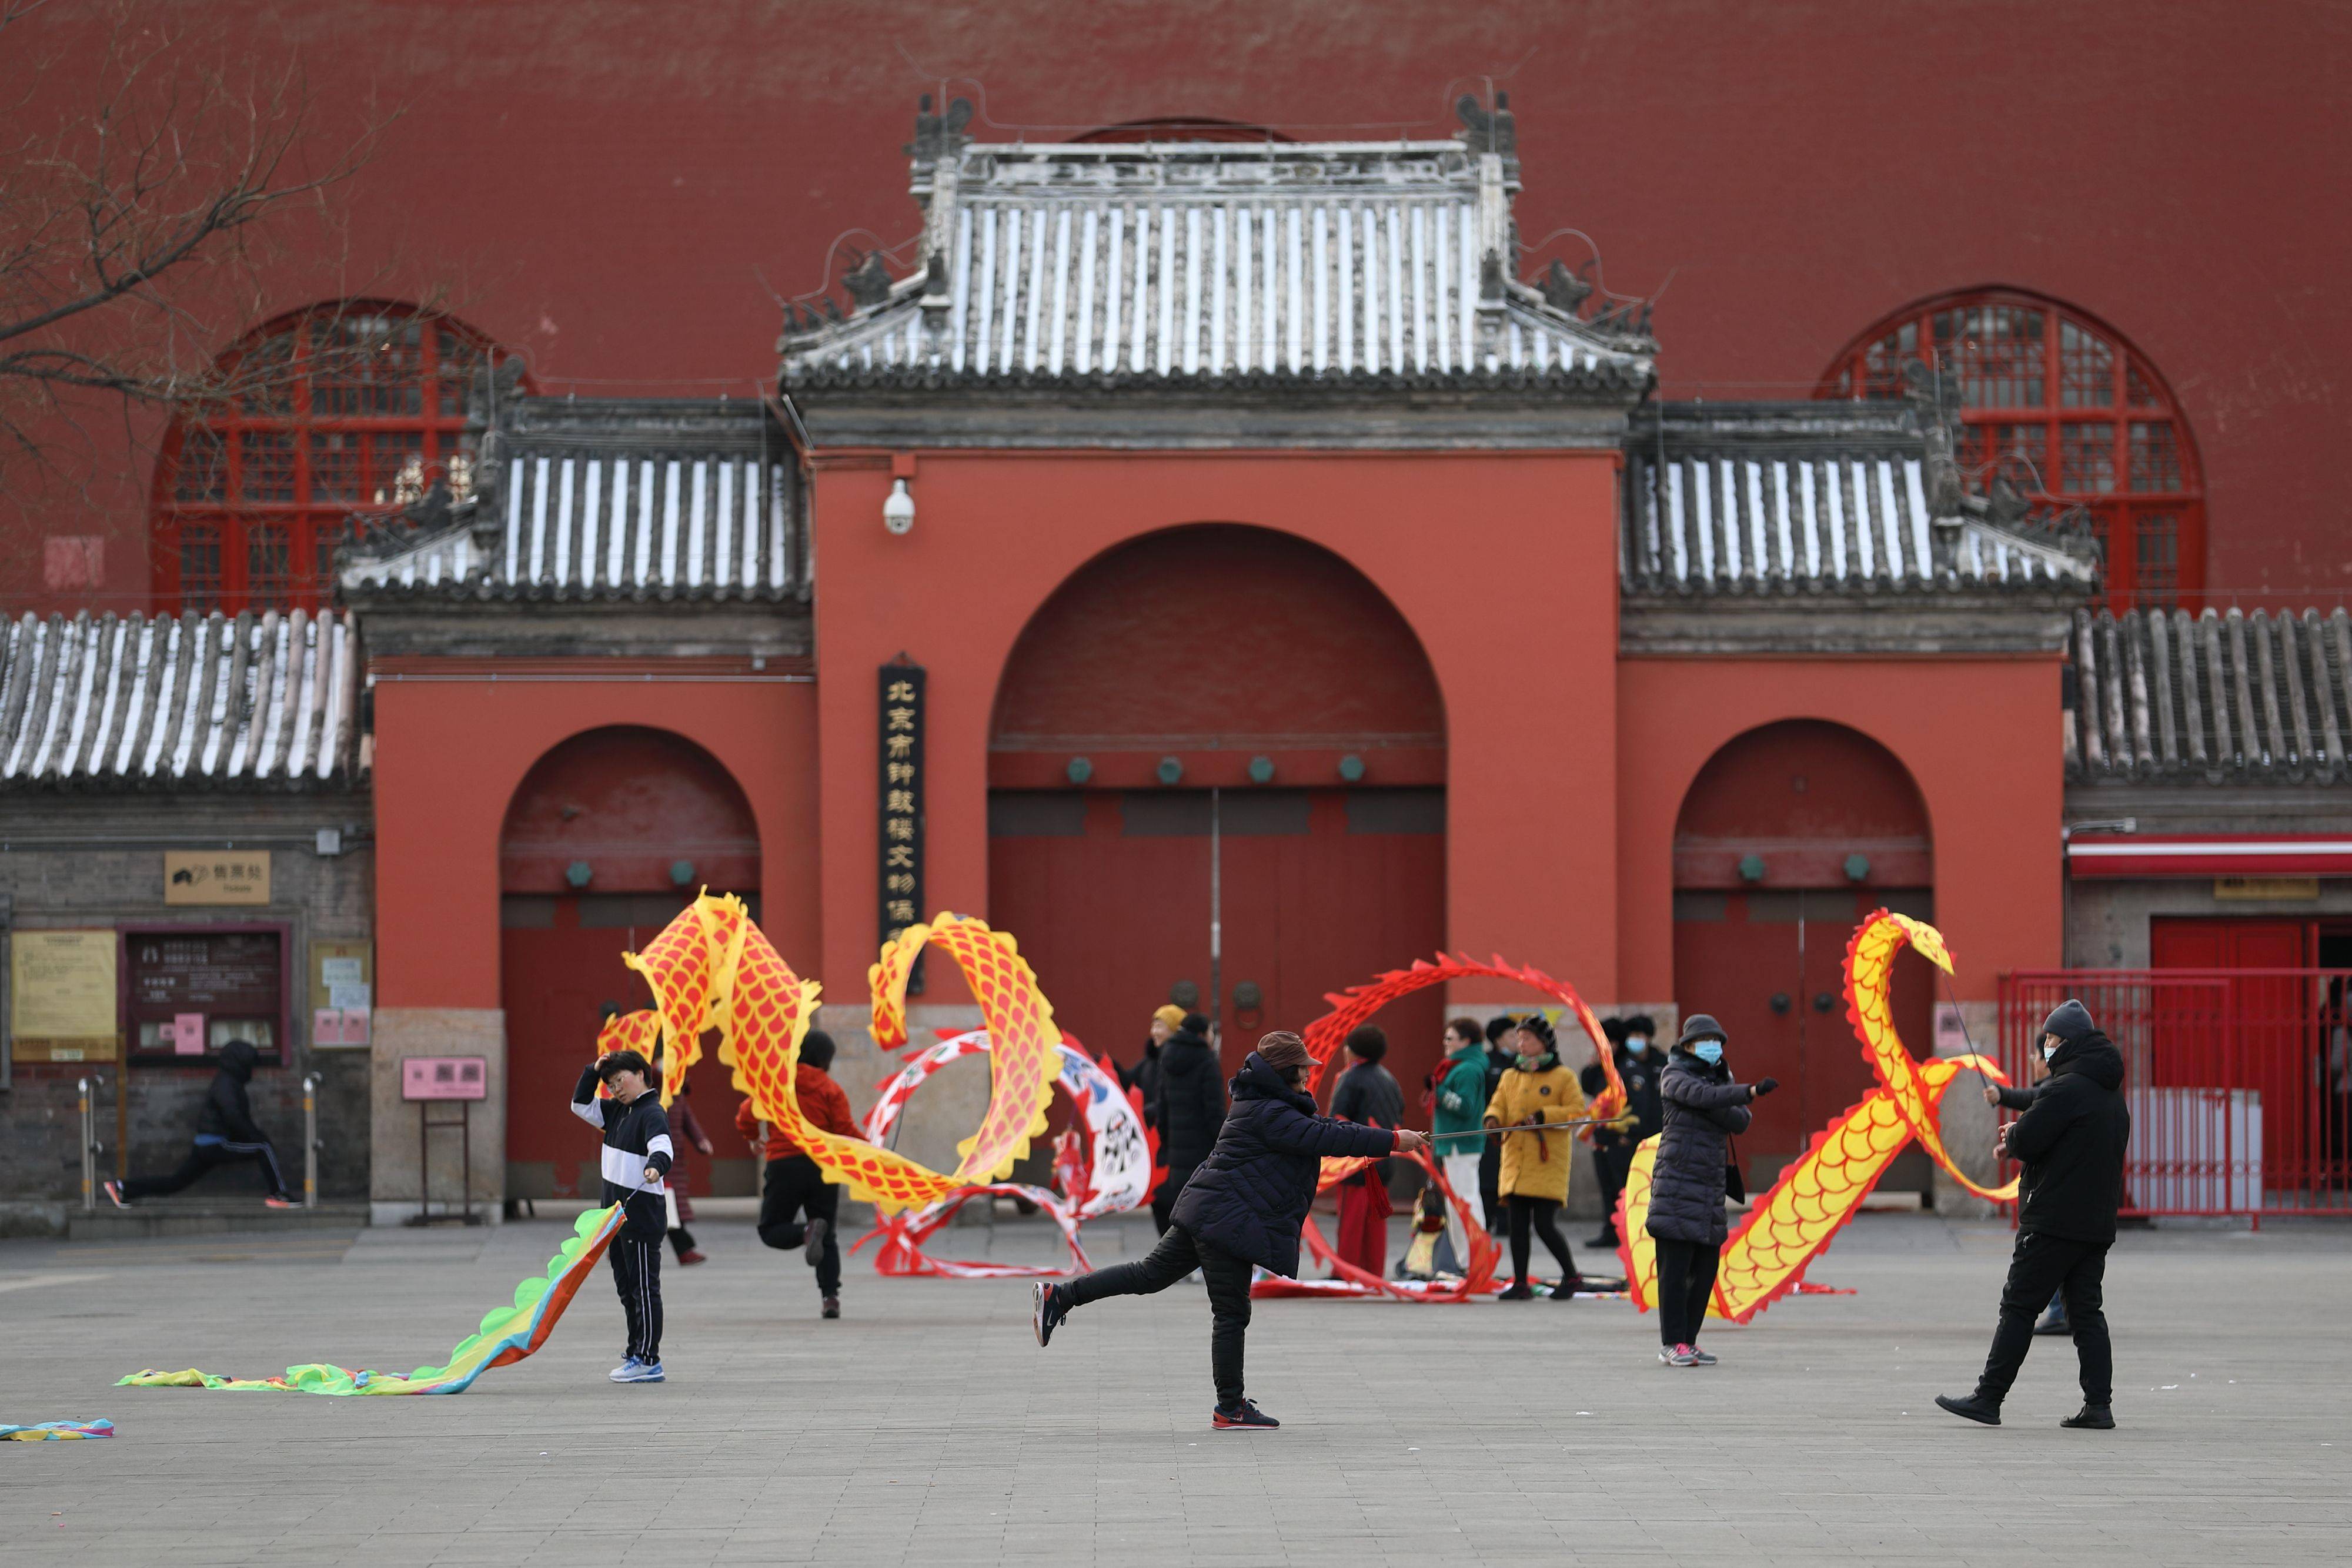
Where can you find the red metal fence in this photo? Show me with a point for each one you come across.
(2240, 1082)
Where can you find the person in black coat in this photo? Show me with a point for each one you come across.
(1501, 1056)
(1612, 1152)
(1190, 1109)
(225, 1134)
(2070, 1141)
(1703, 1108)
(1243, 1205)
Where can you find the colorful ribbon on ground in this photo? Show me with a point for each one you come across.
(506, 1334)
(53, 1431)
(1766, 1255)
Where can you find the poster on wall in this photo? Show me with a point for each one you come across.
(63, 1002)
(901, 778)
(193, 987)
(343, 993)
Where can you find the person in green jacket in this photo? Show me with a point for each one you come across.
(1460, 1110)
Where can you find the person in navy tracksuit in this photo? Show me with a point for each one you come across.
(637, 1155)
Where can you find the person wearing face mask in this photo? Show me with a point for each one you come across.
(1243, 1205)
(1536, 1089)
(1703, 1107)
(2070, 1141)
(2013, 1097)
(1613, 1145)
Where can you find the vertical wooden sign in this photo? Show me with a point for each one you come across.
(901, 780)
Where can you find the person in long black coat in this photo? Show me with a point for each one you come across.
(1190, 1108)
(1703, 1107)
(1243, 1206)
(2070, 1141)
(1612, 1151)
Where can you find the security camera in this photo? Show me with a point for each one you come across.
(899, 511)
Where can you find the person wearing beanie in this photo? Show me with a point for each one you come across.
(1368, 1093)
(1613, 1145)
(1242, 1206)
(2070, 1141)
(1143, 1078)
(794, 1184)
(1703, 1108)
(1534, 1178)
(1190, 1109)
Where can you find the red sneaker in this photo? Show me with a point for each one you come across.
(114, 1191)
(1248, 1418)
(690, 1258)
(278, 1203)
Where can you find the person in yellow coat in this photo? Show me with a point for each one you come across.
(1536, 1089)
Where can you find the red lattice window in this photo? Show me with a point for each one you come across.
(355, 406)
(2069, 411)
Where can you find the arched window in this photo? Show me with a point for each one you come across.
(2069, 411)
(349, 407)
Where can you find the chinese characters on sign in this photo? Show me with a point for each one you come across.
(445, 1078)
(62, 990)
(902, 803)
(216, 876)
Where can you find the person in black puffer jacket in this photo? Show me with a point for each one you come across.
(1243, 1206)
(1190, 1109)
(226, 1133)
(2070, 1141)
(1703, 1108)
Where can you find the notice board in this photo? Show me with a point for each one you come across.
(63, 1000)
(223, 983)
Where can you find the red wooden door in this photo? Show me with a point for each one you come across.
(1110, 896)
(2267, 1036)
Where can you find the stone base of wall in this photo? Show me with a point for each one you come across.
(393, 1166)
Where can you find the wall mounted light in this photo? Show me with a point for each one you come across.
(1351, 767)
(1752, 868)
(681, 873)
(579, 873)
(1261, 769)
(899, 510)
(1079, 770)
(1170, 769)
(1857, 867)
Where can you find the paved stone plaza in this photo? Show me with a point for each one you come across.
(926, 1426)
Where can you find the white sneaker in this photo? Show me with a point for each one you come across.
(1678, 1355)
(626, 1372)
(1700, 1357)
(635, 1371)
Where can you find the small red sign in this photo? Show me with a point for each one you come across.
(445, 1078)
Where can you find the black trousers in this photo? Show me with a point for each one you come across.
(203, 1157)
(636, 1275)
(1540, 1215)
(1615, 1162)
(1686, 1279)
(2077, 1272)
(1178, 1254)
(1490, 1183)
(795, 1188)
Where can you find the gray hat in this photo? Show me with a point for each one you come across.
(1699, 1027)
(2071, 1021)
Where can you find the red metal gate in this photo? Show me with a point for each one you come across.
(2240, 1082)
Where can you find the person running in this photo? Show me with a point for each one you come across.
(1368, 1093)
(637, 1156)
(2070, 1141)
(1243, 1205)
(1457, 1116)
(794, 1183)
(225, 1134)
(1688, 1180)
(1188, 1109)
(1534, 1178)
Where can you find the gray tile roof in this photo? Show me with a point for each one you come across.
(174, 702)
(2220, 697)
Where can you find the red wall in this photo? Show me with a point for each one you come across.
(1984, 752)
(1529, 711)
(615, 189)
(448, 758)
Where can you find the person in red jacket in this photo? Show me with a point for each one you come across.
(794, 1185)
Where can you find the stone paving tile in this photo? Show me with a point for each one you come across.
(927, 1428)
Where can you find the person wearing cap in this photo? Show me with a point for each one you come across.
(2070, 1141)
(1613, 1145)
(1703, 1108)
(1534, 1179)
(1241, 1208)
(1188, 1109)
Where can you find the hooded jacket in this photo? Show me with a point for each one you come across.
(1250, 1195)
(1192, 1105)
(1703, 1109)
(2072, 1139)
(1641, 1072)
(227, 1113)
(1536, 1165)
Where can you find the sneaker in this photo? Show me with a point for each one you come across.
(114, 1191)
(1047, 1311)
(635, 1371)
(1676, 1355)
(627, 1371)
(690, 1258)
(814, 1251)
(2097, 1417)
(1700, 1358)
(1973, 1408)
(277, 1203)
(1518, 1292)
(2053, 1322)
(1248, 1417)
(832, 1307)
(1566, 1289)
